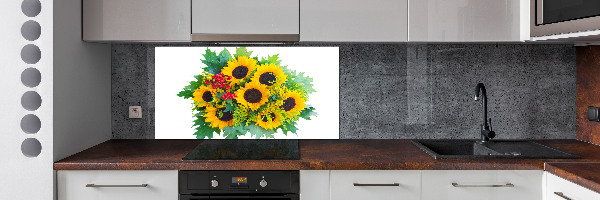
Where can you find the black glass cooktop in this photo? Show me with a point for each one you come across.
(245, 150)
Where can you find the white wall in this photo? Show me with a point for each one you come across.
(82, 84)
(23, 177)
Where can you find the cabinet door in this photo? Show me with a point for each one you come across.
(245, 17)
(314, 185)
(354, 20)
(136, 20)
(379, 185)
(561, 189)
(117, 185)
(468, 20)
(482, 184)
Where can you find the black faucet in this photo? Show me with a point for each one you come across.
(486, 129)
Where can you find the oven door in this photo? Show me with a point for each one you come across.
(237, 197)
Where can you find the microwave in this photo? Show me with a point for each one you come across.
(564, 17)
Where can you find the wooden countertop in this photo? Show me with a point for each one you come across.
(581, 173)
(314, 155)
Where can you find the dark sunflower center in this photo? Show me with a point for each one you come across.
(240, 72)
(227, 116)
(265, 119)
(288, 104)
(267, 78)
(252, 95)
(207, 96)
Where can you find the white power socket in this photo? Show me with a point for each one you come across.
(135, 112)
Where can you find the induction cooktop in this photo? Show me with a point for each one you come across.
(245, 150)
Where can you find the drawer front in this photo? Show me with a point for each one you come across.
(566, 190)
(161, 185)
(482, 184)
(407, 185)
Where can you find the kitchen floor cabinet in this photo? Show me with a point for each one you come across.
(354, 20)
(379, 184)
(560, 189)
(482, 184)
(117, 185)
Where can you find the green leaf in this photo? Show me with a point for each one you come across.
(271, 59)
(241, 51)
(229, 107)
(203, 129)
(215, 63)
(289, 127)
(233, 132)
(259, 132)
(305, 82)
(307, 112)
(188, 91)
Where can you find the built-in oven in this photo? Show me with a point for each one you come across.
(554, 17)
(235, 185)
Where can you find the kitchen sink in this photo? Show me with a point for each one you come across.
(440, 149)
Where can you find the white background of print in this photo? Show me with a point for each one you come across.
(176, 66)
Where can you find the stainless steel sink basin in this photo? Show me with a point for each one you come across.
(494, 149)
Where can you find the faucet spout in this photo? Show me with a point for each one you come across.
(486, 132)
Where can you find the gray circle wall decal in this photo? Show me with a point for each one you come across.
(31, 77)
(31, 100)
(31, 54)
(31, 147)
(31, 30)
(31, 8)
(31, 124)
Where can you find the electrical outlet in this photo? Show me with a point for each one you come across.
(135, 112)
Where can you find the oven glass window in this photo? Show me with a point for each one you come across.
(554, 11)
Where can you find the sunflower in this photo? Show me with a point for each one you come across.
(212, 116)
(203, 95)
(269, 74)
(269, 120)
(252, 95)
(240, 68)
(293, 102)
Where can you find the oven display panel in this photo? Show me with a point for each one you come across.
(239, 180)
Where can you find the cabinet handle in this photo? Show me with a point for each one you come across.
(94, 185)
(361, 184)
(560, 194)
(505, 185)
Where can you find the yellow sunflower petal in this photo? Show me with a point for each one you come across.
(293, 103)
(203, 95)
(253, 95)
(269, 120)
(269, 74)
(212, 116)
(239, 68)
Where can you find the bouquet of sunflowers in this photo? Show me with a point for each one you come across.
(240, 94)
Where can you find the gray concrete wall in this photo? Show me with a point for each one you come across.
(408, 90)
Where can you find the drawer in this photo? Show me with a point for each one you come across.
(568, 189)
(482, 184)
(379, 185)
(161, 185)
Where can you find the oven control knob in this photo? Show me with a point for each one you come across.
(263, 183)
(214, 183)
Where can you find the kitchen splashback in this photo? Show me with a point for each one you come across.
(407, 90)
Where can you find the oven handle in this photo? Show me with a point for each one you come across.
(192, 197)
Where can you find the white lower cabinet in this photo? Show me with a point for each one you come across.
(561, 189)
(314, 185)
(482, 184)
(117, 185)
(375, 185)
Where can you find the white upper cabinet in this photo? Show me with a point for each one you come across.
(136, 20)
(354, 20)
(468, 20)
(243, 20)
